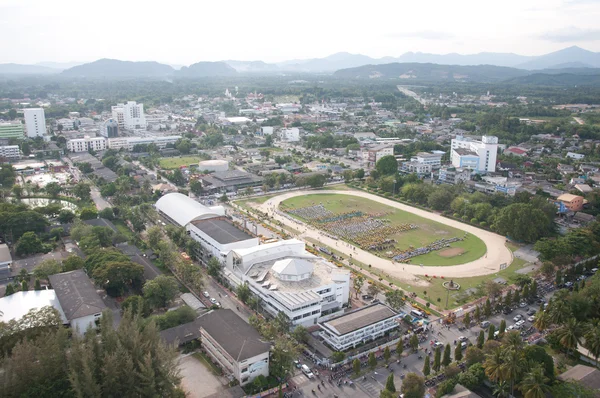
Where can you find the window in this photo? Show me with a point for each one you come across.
(244, 370)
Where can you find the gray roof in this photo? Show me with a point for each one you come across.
(221, 231)
(76, 294)
(360, 318)
(239, 339)
(464, 152)
(586, 375)
(5, 256)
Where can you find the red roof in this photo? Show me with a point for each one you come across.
(518, 151)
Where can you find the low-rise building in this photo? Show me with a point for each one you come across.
(129, 143)
(416, 167)
(290, 135)
(576, 156)
(230, 181)
(433, 159)
(86, 143)
(14, 130)
(373, 154)
(571, 202)
(454, 175)
(359, 326)
(18, 304)
(10, 152)
(288, 279)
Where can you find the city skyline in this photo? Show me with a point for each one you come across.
(182, 33)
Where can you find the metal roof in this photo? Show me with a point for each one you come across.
(183, 210)
(19, 304)
(76, 293)
(360, 318)
(221, 231)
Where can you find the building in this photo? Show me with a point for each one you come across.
(461, 391)
(476, 155)
(433, 159)
(571, 202)
(18, 304)
(291, 280)
(576, 156)
(133, 116)
(230, 181)
(78, 298)
(12, 130)
(416, 167)
(515, 151)
(118, 115)
(359, 326)
(86, 143)
(230, 341)
(290, 135)
(213, 165)
(493, 185)
(9, 152)
(588, 376)
(373, 154)
(5, 257)
(206, 225)
(35, 122)
(583, 188)
(453, 175)
(267, 130)
(128, 143)
(110, 129)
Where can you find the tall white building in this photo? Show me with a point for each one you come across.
(118, 115)
(86, 143)
(290, 135)
(479, 156)
(35, 122)
(133, 115)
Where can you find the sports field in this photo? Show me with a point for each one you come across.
(175, 163)
(402, 231)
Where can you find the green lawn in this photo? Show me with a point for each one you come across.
(427, 231)
(175, 163)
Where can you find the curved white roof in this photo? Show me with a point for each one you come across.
(184, 210)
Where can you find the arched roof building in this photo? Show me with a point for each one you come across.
(182, 210)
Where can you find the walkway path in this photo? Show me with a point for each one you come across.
(497, 253)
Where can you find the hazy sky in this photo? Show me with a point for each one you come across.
(188, 31)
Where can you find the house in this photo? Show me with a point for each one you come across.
(460, 391)
(565, 168)
(583, 188)
(359, 326)
(5, 257)
(18, 304)
(571, 202)
(576, 156)
(505, 166)
(78, 298)
(515, 151)
(586, 375)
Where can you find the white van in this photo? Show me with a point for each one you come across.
(417, 313)
(307, 372)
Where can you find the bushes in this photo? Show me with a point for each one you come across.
(174, 318)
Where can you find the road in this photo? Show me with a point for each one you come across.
(225, 298)
(412, 94)
(99, 201)
(579, 120)
(497, 253)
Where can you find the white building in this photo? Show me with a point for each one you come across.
(129, 143)
(479, 156)
(67, 124)
(213, 165)
(86, 143)
(574, 155)
(290, 135)
(373, 154)
(291, 280)
(359, 326)
(454, 175)
(130, 116)
(17, 305)
(416, 167)
(206, 225)
(118, 114)
(267, 130)
(10, 152)
(78, 298)
(35, 122)
(433, 159)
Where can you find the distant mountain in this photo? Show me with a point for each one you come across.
(206, 69)
(19, 69)
(409, 72)
(60, 65)
(328, 64)
(116, 68)
(498, 59)
(252, 66)
(567, 56)
(559, 79)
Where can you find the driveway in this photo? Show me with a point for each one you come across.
(196, 380)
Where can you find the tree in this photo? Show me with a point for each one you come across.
(458, 353)
(487, 308)
(446, 359)
(467, 319)
(115, 276)
(538, 355)
(491, 331)
(389, 383)
(66, 216)
(547, 269)
(196, 187)
(474, 355)
(283, 354)
(53, 189)
(451, 371)
(523, 222)
(72, 263)
(414, 342)
(356, 366)
(37, 285)
(214, 267)
(47, 268)
(387, 165)
(282, 323)
(154, 235)
(395, 298)
(107, 213)
(10, 289)
(88, 213)
(413, 386)
(136, 305)
(372, 361)
(82, 191)
(502, 328)
(512, 367)
(437, 359)
(480, 339)
(29, 243)
(426, 366)
(501, 389)
(159, 291)
(493, 365)
(400, 348)
(24, 286)
(358, 282)
(243, 292)
(542, 321)
(387, 354)
(300, 334)
(374, 289)
(569, 335)
(592, 339)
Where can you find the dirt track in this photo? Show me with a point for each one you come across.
(497, 253)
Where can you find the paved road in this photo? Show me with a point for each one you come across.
(497, 253)
(100, 202)
(224, 298)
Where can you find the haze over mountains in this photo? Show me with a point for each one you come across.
(571, 57)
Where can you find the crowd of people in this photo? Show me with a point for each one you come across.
(412, 252)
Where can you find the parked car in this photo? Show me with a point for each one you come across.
(520, 323)
(484, 324)
(523, 304)
(507, 310)
(206, 294)
(531, 318)
(307, 372)
(297, 364)
(213, 300)
(462, 339)
(531, 311)
(518, 318)
(438, 345)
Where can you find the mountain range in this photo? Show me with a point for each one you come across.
(571, 57)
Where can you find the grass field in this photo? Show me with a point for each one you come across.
(427, 231)
(175, 163)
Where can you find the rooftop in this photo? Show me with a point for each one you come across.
(587, 375)
(567, 197)
(19, 304)
(76, 293)
(359, 318)
(183, 209)
(464, 152)
(222, 231)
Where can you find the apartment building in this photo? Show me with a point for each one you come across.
(86, 143)
(479, 156)
(35, 122)
(10, 152)
(129, 143)
(13, 130)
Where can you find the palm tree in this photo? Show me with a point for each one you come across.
(592, 339)
(542, 321)
(569, 334)
(534, 384)
(493, 365)
(513, 340)
(501, 390)
(511, 367)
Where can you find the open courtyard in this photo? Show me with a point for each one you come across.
(177, 162)
(480, 253)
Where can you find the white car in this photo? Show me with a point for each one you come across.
(206, 294)
(307, 372)
(213, 300)
(520, 323)
(518, 318)
(531, 318)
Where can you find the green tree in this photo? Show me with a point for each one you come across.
(66, 216)
(136, 305)
(283, 354)
(387, 165)
(154, 235)
(458, 353)
(426, 366)
(24, 286)
(570, 334)
(116, 276)
(243, 292)
(477, 314)
(467, 319)
(10, 289)
(159, 291)
(502, 327)
(413, 386)
(82, 191)
(399, 348)
(437, 359)
(474, 355)
(389, 383)
(356, 366)
(394, 298)
(107, 213)
(72, 263)
(29, 243)
(387, 354)
(446, 359)
(491, 331)
(88, 213)
(358, 282)
(38, 285)
(47, 268)
(480, 339)
(414, 342)
(523, 222)
(214, 267)
(372, 361)
(53, 189)
(592, 339)
(300, 334)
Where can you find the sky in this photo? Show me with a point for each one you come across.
(181, 32)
